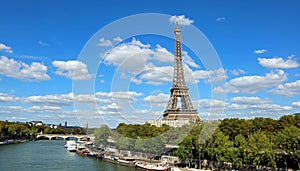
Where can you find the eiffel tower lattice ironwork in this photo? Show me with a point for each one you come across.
(180, 106)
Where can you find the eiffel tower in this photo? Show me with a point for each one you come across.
(180, 106)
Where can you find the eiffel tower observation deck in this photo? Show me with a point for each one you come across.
(180, 106)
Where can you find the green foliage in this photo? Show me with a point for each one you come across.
(256, 142)
(9, 130)
(102, 134)
(141, 131)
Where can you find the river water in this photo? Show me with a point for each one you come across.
(50, 155)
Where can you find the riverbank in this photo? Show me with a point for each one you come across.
(9, 142)
(90, 151)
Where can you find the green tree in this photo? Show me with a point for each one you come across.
(102, 134)
(289, 141)
(261, 149)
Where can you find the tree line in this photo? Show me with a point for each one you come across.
(242, 142)
(17, 130)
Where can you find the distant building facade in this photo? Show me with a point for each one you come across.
(173, 123)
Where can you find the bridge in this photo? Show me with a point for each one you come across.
(62, 136)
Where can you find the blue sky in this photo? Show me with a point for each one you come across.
(123, 76)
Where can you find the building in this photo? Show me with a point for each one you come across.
(35, 123)
(173, 123)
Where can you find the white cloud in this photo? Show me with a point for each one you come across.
(260, 51)
(42, 109)
(138, 43)
(207, 75)
(162, 54)
(123, 56)
(237, 72)
(53, 100)
(296, 104)
(11, 109)
(158, 75)
(5, 48)
(118, 39)
(160, 100)
(279, 62)
(7, 98)
(256, 106)
(265, 109)
(99, 98)
(219, 90)
(188, 60)
(92, 108)
(249, 100)
(127, 96)
(33, 109)
(136, 80)
(181, 19)
(43, 43)
(104, 42)
(75, 70)
(214, 104)
(254, 84)
(220, 19)
(155, 66)
(19, 70)
(287, 89)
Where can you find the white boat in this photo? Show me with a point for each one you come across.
(151, 167)
(71, 146)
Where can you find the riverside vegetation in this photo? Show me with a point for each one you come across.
(254, 142)
(23, 131)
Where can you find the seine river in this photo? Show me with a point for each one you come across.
(50, 155)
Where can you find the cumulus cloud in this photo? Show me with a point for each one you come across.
(214, 104)
(124, 55)
(188, 60)
(155, 65)
(249, 100)
(287, 89)
(5, 48)
(157, 75)
(42, 109)
(181, 19)
(75, 70)
(266, 108)
(219, 90)
(207, 75)
(20, 70)
(279, 62)
(7, 98)
(237, 72)
(120, 96)
(220, 19)
(255, 106)
(254, 84)
(260, 51)
(50, 100)
(118, 39)
(91, 108)
(136, 80)
(162, 54)
(159, 100)
(296, 104)
(104, 42)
